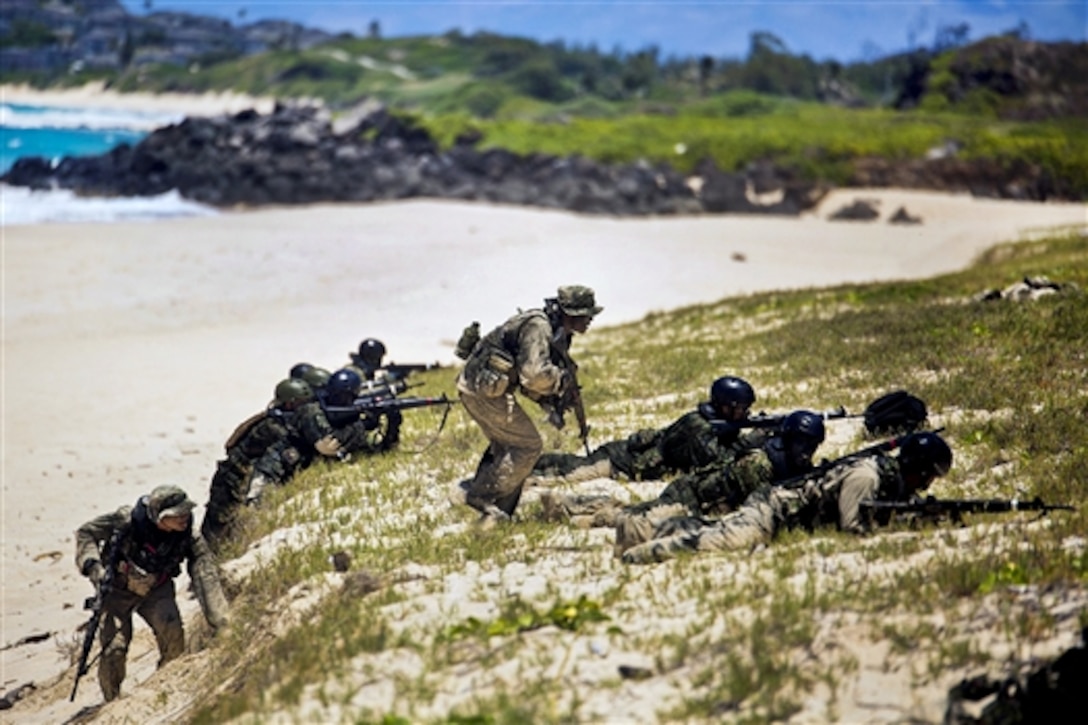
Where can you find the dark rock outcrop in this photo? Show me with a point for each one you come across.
(294, 156)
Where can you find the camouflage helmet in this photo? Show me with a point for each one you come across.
(299, 370)
(925, 454)
(371, 352)
(731, 390)
(164, 501)
(293, 391)
(804, 423)
(316, 377)
(578, 301)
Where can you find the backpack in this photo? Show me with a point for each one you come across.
(895, 412)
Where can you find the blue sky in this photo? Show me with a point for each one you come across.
(842, 29)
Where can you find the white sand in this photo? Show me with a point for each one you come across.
(130, 351)
(96, 95)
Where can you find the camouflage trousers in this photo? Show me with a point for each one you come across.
(226, 496)
(763, 514)
(159, 609)
(515, 445)
(636, 457)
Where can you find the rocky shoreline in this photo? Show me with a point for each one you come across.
(299, 155)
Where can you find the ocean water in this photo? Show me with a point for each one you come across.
(53, 132)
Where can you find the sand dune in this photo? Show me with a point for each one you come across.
(131, 350)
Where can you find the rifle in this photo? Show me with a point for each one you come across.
(888, 445)
(96, 603)
(400, 372)
(721, 427)
(571, 399)
(931, 506)
(378, 403)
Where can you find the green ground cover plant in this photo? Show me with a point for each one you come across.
(534, 621)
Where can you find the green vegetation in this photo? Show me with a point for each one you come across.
(528, 623)
(622, 107)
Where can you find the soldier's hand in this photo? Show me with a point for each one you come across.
(328, 446)
(566, 385)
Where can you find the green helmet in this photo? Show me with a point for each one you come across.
(293, 391)
(316, 377)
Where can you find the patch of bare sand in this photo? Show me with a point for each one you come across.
(130, 351)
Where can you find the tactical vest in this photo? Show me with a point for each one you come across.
(492, 368)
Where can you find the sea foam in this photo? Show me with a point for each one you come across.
(19, 205)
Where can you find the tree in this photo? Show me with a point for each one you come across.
(374, 30)
(951, 36)
(706, 67)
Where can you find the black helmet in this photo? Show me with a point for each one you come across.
(299, 370)
(371, 352)
(925, 454)
(343, 385)
(730, 390)
(293, 391)
(316, 377)
(804, 423)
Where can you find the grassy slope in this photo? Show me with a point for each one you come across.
(532, 621)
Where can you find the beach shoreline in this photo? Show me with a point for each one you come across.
(96, 95)
(172, 332)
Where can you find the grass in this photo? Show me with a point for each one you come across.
(528, 622)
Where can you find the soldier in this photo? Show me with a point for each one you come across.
(264, 449)
(831, 499)
(368, 360)
(529, 352)
(339, 435)
(688, 443)
(152, 539)
(712, 490)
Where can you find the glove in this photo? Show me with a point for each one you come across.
(93, 570)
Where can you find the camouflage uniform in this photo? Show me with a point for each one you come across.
(529, 352)
(832, 499)
(731, 468)
(711, 491)
(147, 561)
(687, 444)
(389, 422)
(265, 445)
(333, 436)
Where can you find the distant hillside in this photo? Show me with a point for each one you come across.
(492, 76)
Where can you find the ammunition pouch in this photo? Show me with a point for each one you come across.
(489, 371)
(136, 580)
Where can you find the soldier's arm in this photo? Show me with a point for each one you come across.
(861, 483)
(204, 572)
(538, 374)
(93, 535)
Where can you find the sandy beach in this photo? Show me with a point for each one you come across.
(131, 350)
(96, 95)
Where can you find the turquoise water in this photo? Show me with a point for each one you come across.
(56, 132)
(56, 143)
